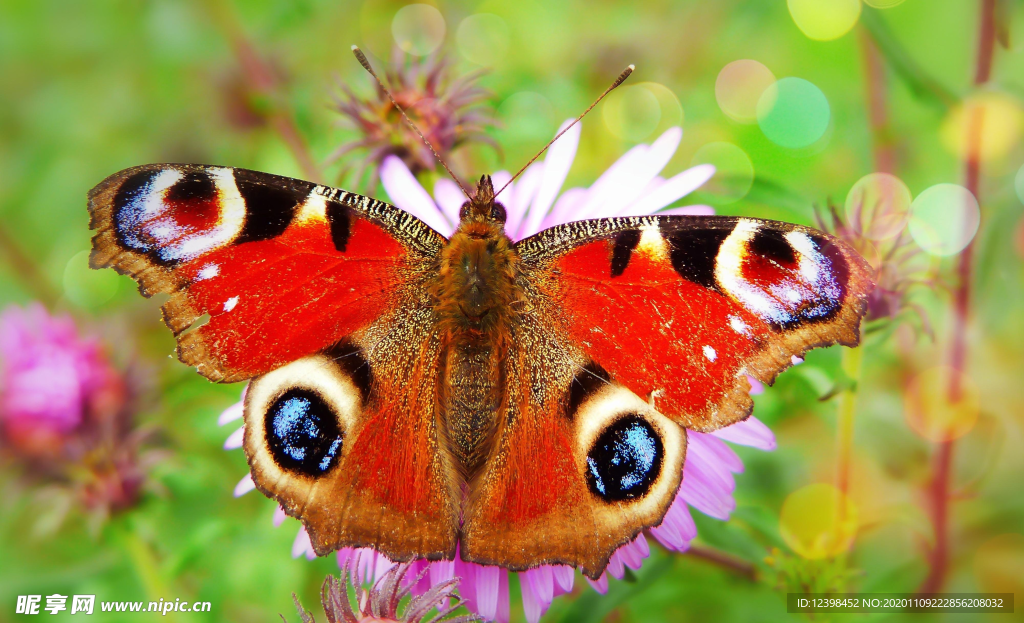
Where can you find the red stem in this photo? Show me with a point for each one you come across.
(26, 270)
(732, 563)
(261, 80)
(943, 462)
(878, 116)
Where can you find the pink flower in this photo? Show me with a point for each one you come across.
(51, 380)
(631, 186)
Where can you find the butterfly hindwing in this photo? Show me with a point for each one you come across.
(580, 464)
(347, 440)
(681, 309)
(263, 256)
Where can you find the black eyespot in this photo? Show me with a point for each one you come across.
(625, 460)
(498, 212)
(303, 433)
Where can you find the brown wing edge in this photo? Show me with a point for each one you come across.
(777, 355)
(177, 312)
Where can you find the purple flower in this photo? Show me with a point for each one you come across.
(450, 112)
(51, 381)
(631, 186)
(381, 603)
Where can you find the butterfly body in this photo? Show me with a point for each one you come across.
(524, 401)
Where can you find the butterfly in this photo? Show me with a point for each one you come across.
(525, 401)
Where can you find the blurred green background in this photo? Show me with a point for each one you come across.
(89, 88)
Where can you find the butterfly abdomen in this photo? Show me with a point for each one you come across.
(471, 398)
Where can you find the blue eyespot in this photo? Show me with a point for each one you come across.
(625, 460)
(302, 432)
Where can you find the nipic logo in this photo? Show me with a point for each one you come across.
(80, 604)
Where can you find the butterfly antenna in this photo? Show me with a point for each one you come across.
(366, 65)
(622, 78)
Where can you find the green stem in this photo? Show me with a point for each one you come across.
(147, 569)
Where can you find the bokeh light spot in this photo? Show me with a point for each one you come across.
(999, 564)
(818, 521)
(86, 287)
(878, 206)
(824, 20)
(933, 412)
(738, 88)
(987, 124)
(734, 172)
(483, 39)
(944, 219)
(794, 113)
(418, 29)
(883, 4)
(668, 104)
(527, 116)
(631, 113)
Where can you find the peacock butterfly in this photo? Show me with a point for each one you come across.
(527, 402)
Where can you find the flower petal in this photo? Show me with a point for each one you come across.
(532, 607)
(441, 571)
(279, 516)
(232, 413)
(449, 198)
(487, 585)
(600, 584)
(610, 183)
(234, 440)
(556, 167)
(566, 204)
(719, 453)
(750, 432)
(615, 567)
(660, 152)
(677, 528)
(542, 584)
(674, 188)
(245, 485)
(381, 565)
(564, 576)
(526, 190)
(503, 600)
(406, 193)
(301, 543)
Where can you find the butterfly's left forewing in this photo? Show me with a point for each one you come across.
(280, 267)
(318, 294)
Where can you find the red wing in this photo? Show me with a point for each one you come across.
(683, 308)
(283, 268)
